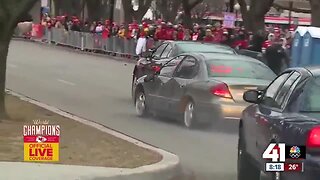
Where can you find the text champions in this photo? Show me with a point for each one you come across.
(44, 130)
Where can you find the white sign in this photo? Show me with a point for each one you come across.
(229, 20)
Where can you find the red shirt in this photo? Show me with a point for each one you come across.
(266, 44)
(105, 33)
(242, 44)
(142, 34)
(208, 39)
(195, 36)
(169, 34)
(180, 35)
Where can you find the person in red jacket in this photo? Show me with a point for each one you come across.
(170, 32)
(208, 37)
(180, 33)
(157, 34)
(241, 42)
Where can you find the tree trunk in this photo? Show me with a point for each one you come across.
(4, 46)
(128, 11)
(231, 5)
(169, 9)
(94, 10)
(315, 12)
(254, 17)
(187, 21)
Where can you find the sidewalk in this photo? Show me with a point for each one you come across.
(167, 168)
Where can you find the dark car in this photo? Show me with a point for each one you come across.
(169, 49)
(287, 111)
(201, 87)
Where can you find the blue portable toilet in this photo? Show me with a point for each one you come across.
(297, 45)
(310, 54)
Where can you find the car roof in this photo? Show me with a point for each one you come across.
(222, 56)
(197, 42)
(315, 70)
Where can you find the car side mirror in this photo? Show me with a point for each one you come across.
(252, 96)
(149, 77)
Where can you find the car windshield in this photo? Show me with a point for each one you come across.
(311, 96)
(239, 69)
(198, 47)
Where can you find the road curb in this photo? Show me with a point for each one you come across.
(166, 169)
(75, 50)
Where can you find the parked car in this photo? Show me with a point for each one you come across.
(287, 111)
(169, 49)
(201, 87)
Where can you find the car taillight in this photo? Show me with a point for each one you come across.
(156, 68)
(221, 90)
(313, 139)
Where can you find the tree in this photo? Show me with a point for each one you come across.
(11, 11)
(70, 7)
(253, 17)
(97, 9)
(315, 12)
(188, 5)
(130, 13)
(168, 8)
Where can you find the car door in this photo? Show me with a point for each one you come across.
(185, 74)
(270, 112)
(162, 93)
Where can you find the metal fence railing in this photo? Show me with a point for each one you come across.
(90, 41)
(95, 42)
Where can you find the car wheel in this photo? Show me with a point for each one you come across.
(246, 169)
(189, 119)
(140, 103)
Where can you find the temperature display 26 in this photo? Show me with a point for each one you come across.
(294, 167)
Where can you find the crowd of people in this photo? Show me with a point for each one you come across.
(149, 31)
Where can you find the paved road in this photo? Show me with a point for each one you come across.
(98, 88)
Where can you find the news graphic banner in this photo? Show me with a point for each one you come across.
(41, 142)
(284, 158)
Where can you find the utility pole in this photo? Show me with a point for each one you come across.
(290, 12)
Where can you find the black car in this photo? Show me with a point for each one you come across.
(169, 49)
(287, 111)
(202, 88)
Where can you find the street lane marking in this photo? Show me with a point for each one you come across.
(12, 65)
(66, 82)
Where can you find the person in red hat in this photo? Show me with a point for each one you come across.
(163, 31)
(170, 32)
(142, 40)
(75, 25)
(157, 34)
